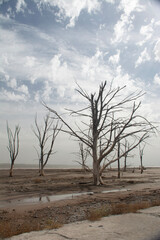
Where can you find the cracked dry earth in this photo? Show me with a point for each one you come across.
(17, 216)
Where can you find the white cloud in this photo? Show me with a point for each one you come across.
(157, 23)
(110, 1)
(12, 45)
(59, 76)
(30, 61)
(5, 59)
(47, 91)
(37, 97)
(71, 9)
(59, 71)
(56, 72)
(147, 32)
(114, 59)
(33, 77)
(157, 51)
(125, 24)
(144, 57)
(11, 96)
(6, 76)
(157, 79)
(131, 6)
(20, 6)
(102, 26)
(36, 69)
(23, 89)
(120, 29)
(14, 50)
(122, 78)
(12, 83)
(61, 91)
(95, 70)
(92, 66)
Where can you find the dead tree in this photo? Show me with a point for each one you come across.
(13, 146)
(141, 151)
(83, 154)
(104, 124)
(46, 137)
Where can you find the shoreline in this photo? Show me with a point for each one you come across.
(4, 166)
(35, 166)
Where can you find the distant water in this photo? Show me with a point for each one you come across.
(49, 166)
(35, 166)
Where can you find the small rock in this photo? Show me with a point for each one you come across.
(100, 226)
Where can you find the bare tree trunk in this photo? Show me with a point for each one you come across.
(141, 164)
(41, 172)
(96, 165)
(96, 173)
(126, 147)
(141, 151)
(119, 169)
(125, 163)
(41, 169)
(11, 170)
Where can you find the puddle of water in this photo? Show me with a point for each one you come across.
(52, 198)
(115, 190)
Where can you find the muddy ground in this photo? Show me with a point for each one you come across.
(27, 200)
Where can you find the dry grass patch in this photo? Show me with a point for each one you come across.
(38, 180)
(122, 208)
(50, 224)
(97, 214)
(8, 230)
(119, 208)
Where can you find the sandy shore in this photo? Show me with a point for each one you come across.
(27, 201)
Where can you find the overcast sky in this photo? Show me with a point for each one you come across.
(46, 46)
